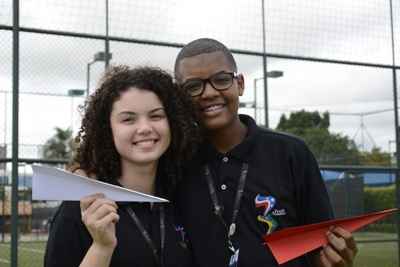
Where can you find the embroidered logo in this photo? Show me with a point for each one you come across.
(281, 212)
(182, 235)
(266, 204)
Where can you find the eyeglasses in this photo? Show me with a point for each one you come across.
(220, 81)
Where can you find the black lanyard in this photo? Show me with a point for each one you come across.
(217, 208)
(159, 257)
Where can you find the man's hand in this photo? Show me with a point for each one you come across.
(340, 250)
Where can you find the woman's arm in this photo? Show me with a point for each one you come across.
(99, 216)
(97, 256)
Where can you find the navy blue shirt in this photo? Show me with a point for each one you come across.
(283, 188)
(69, 239)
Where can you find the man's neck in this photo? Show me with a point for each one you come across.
(140, 178)
(227, 138)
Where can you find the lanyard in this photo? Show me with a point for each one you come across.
(159, 257)
(217, 208)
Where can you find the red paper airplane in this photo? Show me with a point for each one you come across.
(293, 242)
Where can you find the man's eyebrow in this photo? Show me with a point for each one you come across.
(198, 78)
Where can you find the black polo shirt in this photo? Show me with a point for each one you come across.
(283, 188)
(69, 239)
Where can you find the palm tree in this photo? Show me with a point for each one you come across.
(60, 146)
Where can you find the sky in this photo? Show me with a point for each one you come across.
(340, 30)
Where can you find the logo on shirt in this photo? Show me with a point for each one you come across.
(280, 212)
(266, 204)
(181, 236)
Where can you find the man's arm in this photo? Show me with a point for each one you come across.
(341, 248)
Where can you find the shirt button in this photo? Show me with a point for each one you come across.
(225, 159)
(224, 187)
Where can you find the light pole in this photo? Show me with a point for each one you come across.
(250, 104)
(74, 93)
(5, 122)
(390, 151)
(3, 168)
(269, 74)
(99, 56)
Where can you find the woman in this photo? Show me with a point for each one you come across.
(136, 130)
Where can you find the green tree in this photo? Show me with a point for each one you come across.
(298, 122)
(60, 145)
(313, 128)
(375, 157)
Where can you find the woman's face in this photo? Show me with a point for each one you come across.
(139, 126)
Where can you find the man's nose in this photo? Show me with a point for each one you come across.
(209, 90)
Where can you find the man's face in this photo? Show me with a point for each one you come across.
(218, 109)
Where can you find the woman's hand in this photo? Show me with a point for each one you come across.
(100, 216)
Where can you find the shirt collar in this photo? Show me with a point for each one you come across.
(242, 151)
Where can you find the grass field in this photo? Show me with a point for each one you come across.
(29, 254)
(376, 254)
(370, 254)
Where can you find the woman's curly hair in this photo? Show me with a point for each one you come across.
(97, 154)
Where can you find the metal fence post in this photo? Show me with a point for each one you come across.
(15, 133)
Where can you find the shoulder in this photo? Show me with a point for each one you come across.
(68, 210)
(68, 238)
(277, 146)
(67, 219)
(272, 138)
(282, 139)
(82, 172)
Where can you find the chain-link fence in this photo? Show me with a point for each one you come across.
(334, 57)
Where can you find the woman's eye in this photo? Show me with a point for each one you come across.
(128, 119)
(158, 116)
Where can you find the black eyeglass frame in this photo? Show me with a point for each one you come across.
(234, 75)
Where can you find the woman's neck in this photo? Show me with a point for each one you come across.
(227, 138)
(140, 178)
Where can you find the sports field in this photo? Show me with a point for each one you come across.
(29, 254)
(370, 254)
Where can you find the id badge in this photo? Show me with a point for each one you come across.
(234, 260)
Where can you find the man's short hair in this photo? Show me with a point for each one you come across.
(203, 46)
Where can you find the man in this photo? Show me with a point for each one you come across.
(281, 182)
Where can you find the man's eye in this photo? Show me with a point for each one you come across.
(222, 79)
(192, 86)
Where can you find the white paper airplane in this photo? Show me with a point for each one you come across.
(55, 184)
